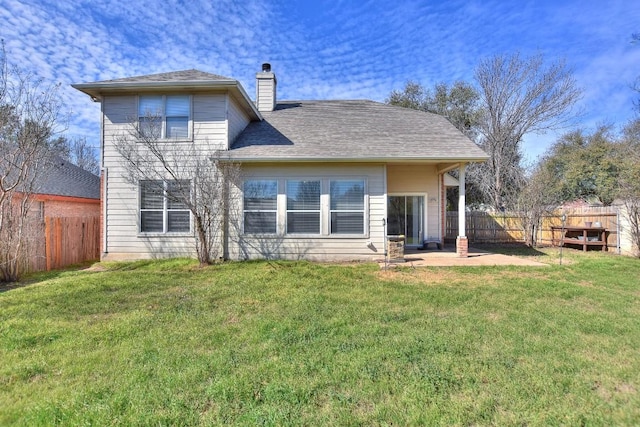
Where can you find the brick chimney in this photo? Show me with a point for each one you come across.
(265, 89)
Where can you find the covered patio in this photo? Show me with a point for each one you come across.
(448, 257)
(416, 203)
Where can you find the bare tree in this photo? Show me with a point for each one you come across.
(79, 152)
(30, 114)
(188, 175)
(519, 96)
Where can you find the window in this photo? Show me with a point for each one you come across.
(260, 206)
(162, 206)
(303, 207)
(164, 116)
(322, 207)
(347, 206)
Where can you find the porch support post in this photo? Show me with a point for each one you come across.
(462, 243)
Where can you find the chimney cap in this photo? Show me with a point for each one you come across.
(266, 67)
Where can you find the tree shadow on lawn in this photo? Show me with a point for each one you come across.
(36, 277)
(515, 249)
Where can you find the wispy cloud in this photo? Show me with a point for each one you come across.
(325, 49)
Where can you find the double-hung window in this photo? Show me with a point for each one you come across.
(347, 206)
(163, 206)
(303, 207)
(164, 116)
(260, 206)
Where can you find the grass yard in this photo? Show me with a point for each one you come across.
(295, 343)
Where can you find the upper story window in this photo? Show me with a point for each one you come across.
(164, 116)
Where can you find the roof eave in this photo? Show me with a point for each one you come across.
(356, 159)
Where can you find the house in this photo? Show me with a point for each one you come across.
(324, 180)
(67, 191)
(54, 223)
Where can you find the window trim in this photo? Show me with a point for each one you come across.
(165, 211)
(163, 128)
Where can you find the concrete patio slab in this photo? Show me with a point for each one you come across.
(448, 257)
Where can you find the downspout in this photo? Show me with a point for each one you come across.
(105, 180)
(105, 201)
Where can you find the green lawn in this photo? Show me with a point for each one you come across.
(278, 343)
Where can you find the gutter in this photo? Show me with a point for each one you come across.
(359, 160)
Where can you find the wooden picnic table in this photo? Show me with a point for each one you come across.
(581, 236)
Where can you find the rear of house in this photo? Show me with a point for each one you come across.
(323, 180)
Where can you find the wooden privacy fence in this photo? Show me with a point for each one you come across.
(70, 240)
(483, 227)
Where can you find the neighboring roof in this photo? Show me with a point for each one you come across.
(352, 131)
(175, 80)
(66, 179)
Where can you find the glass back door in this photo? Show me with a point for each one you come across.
(405, 215)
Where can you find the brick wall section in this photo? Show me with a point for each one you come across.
(65, 206)
(59, 208)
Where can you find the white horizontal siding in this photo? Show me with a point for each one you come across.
(122, 225)
(238, 120)
(265, 93)
(123, 240)
(119, 113)
(209, 120)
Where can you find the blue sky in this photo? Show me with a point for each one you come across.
(325, 49)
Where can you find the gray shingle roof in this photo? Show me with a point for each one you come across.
(175, 81)
(66, 179)
(352, 130)
(173, 76)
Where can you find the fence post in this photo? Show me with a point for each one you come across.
(47, 242)
(58, 252)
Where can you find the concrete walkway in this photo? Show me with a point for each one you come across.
(448, 257)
